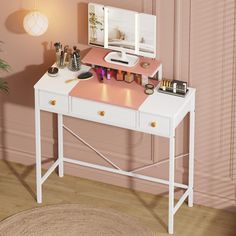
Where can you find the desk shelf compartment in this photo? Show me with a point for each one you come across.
(104, 113)
(96, 57)
(154, 124)
(53, 102)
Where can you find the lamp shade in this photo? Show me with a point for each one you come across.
(35, 23)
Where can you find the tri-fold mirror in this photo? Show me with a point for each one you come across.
(122, 30)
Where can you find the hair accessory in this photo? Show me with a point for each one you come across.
(85, 75)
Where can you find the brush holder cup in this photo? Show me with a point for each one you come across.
(74, 63)
(60, 61)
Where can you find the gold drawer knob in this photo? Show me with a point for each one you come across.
(101, 113)
(53, 102)
(154, 124)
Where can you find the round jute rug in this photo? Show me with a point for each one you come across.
(72, 220)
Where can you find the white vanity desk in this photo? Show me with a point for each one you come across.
(159, 114)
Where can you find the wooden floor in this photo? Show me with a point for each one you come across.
(17, 193)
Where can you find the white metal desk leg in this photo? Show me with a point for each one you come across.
(38, 150)
(171, 184)
(191, 157)
(60, 144)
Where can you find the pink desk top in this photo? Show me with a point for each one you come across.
(120, 93)
(96, 57)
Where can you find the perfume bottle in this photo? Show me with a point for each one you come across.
(138, 79)
(129, 77)
(144, 80)
(120, 75)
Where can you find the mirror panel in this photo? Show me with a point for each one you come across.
(147, 35)
(96, 24)
(121, 29)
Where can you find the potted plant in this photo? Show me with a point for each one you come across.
(3, 84)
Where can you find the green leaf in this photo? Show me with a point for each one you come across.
(4, 86)
(4, 66)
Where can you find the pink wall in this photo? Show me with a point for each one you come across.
(197, 44)
(212, 71)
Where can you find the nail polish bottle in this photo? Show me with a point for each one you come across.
(113, 74)
(103, 73)
(99, 73)
(100, 77)
(120, 75)
(108, 74)
(129, 77)
(98, 70)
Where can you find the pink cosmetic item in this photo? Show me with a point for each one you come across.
(138, 78)
(103, 72)
(120, 75)
(108, 74)
(129, 78)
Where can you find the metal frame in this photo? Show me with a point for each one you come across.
(117, 170)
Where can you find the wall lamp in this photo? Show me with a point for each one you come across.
(35, 23)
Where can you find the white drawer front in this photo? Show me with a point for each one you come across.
(53, 102)
(155, 124)
(104, 112)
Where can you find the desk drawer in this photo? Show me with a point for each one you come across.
(104, 113)
(154, 124)
(53, 102)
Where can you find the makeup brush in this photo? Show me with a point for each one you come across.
(66, 48)
(57, 46)
(62, 58)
